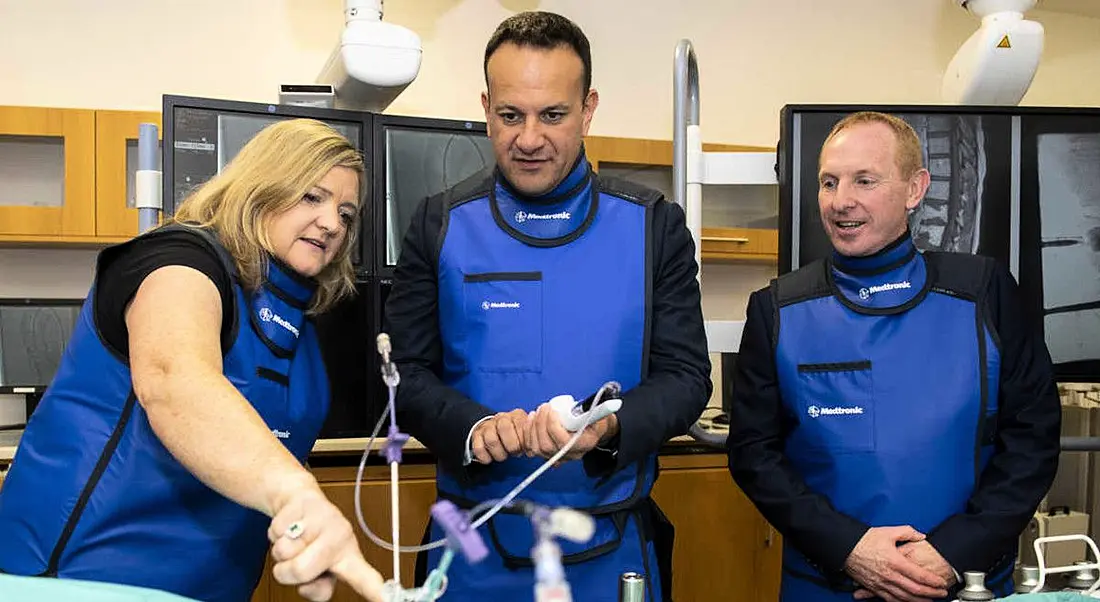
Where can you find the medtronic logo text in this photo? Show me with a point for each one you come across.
(522, 216)
(269, 316)
(865, 293)
(487, 305)
(815, 411)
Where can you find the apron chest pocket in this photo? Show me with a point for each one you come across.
(836, 402)
(503, 313)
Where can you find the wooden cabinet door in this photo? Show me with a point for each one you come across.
(116, 166)
(47, 174)
(722, 549)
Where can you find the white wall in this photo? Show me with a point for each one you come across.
(754, 56)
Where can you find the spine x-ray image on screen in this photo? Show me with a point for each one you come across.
(954, 154)
(1069, 213)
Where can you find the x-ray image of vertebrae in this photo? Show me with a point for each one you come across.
(1069, 202)
(949, 217)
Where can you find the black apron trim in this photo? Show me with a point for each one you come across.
(285, 297)
(882, 269)
(654, 527)
(646, 569)
(275, 349)
(273, 375)
(514, 562)
(511, 561)
(984, 422)
(105, 456)
(593, 209)
(929, 278)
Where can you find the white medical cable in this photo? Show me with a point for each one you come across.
(497, 505)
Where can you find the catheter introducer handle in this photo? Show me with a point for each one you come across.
(573, 416)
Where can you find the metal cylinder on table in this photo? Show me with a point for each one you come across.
(974, 587)
(1028, 580)
(631, 588)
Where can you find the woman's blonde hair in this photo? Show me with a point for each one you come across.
(269, 176)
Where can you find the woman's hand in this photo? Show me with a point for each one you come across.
(313, 545)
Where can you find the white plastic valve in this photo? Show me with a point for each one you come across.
(573, 416)
(575, 526)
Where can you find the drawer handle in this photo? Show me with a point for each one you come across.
(739, 239)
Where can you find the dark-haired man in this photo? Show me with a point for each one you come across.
(894, 414)
(542, 279)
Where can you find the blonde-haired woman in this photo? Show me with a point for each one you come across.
(169, 449)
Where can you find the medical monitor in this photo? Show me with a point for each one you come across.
(33, 337)
(1060, 235)
(201, 136)
(417, 158)
(1019, 184)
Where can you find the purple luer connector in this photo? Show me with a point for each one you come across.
(459, 534)
(395, 440)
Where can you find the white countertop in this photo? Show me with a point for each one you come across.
(9, 442)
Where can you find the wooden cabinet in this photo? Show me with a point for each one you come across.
(47, 173)
(740, 223)
(724, 550)
(67, 175)
(116, 138)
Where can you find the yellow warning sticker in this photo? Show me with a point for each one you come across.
(1004, 43)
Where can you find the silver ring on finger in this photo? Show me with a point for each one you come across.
(295, 530)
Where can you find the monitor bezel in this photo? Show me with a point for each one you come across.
(382, 123)
(35, 302)
(172, 102)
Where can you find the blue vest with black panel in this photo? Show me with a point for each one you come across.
(889, 369)
(93, 494)
(537, 298)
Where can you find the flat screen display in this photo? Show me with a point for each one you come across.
(33, 336)
(421, 163)
(1060, 236)
(206, 140)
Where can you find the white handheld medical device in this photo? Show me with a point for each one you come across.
(575, 415)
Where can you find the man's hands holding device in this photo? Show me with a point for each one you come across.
(547, 432)
(543, 432)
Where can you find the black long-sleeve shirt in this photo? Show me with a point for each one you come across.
(669, 399)
(1004, 500)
